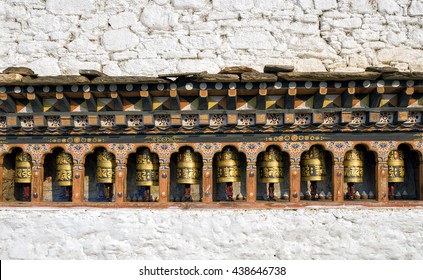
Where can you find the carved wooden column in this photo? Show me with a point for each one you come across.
(251, 181)
(164, 182)
(37, 182)
(207, 181)
(120, 191)
(382, 181)
(294, 182)
(78, 183)
(338, 181)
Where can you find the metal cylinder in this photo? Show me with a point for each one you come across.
(313, 167)
(64, 164)
(271, 166)
(147, 173)
(353, 167)
(105, 167)
(23, 170)
(189, 167)
(228, 166)
(396, 169)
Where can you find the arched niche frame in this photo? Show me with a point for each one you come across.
(11, 189)
(281, 190)
(137, 193)
(324, 188)
(95, 191)
(180, 192)
(239, 189)
(52, 190)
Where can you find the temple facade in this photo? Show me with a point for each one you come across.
(241, 136)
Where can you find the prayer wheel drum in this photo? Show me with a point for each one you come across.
(189, 167)
(64, 164)
(396, 169)
(313, 167)
(105, 167)
(353, 167)
(147, 173)
(23, 170)
(228, 166)
(271, 166)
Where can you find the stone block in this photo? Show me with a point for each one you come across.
(244, 39)
(122, 20)
(388, 7)
(119, 40)
(348, 23)
(239, 5)
(361, 6)
(158, 18)
(197, 65)
(309, 64)
(45, 66)
(70, 7)
(416, 8)
(145, 66)
(190, 4)
(325, 5)
(400, 54)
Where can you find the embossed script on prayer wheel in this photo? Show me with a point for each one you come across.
(147, 173)
(228, 169)
(105, 167)
(271, 166)
(396, 169)
(188, 169)
(353, 167)
(23, 172)
(313, 166)
(64, 170)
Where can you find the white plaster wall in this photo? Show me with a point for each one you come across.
(146, 37)
(321, 233)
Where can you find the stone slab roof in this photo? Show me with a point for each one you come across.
(272, 73)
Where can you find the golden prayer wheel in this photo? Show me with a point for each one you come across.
(23, 170)
(353, 167)
(147, 173)
(271, 166)
(189, 167)
(396, 169)
(228, 169)
(313, 167)
(105, 167)
(64, 170)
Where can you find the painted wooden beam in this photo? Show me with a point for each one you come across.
(63, 101)
(404, 97)
(347, 97)
(7, 103)
(376, 96)
(290, 98)
(174, 100)
(35, 101)
(117, 101)
(91, 102)
(147, 103)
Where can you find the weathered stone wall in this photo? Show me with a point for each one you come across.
(343, 233)
(147, 37)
